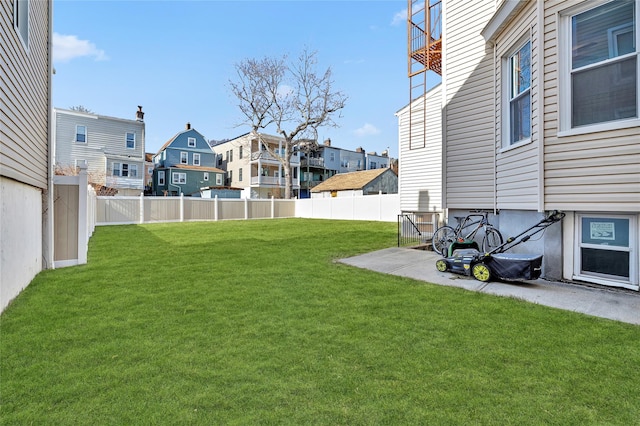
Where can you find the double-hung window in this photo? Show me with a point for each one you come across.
(519, 90)
(130, 140)
(161, 177)
(196, 159)
(178, 178)
(184, 157)
(603, 68)
(21, 20)
(81, 133)
(191, 142)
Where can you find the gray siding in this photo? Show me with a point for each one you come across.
(24, 115)
(469, 106)
(597, 171)
(105, 145)
(518, 168)
(420, 171)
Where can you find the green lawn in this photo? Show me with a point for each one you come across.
(254, 322)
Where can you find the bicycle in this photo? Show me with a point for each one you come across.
(445, 235)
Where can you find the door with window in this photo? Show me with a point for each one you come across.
(607, 250)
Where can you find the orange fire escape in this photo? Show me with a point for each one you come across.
(425, 54)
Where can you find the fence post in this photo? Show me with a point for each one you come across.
(141, 207)
(215, 208)
(181, 207)
(380, 205)
(83, 238)
(246, 208)
(273, 207)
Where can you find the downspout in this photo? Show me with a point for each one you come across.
(495, 123)
(540, 96)
(48, 243)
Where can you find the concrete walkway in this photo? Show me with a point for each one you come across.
(615, 304)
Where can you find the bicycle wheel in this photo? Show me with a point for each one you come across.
(492, 239)
(442, 239)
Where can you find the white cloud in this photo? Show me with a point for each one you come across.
(400, 17)
(68, 47)
(367, 130)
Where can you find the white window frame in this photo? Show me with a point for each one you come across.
(85, 134)
(218, 179)
(21, 20)
(191, 142)
(184, 157)
(116, 169)
(509, 97)
(634, 237)
(161, 176)
(196, 159)
(564, 75)
(126, 140)
(178, 178)
(133, 170)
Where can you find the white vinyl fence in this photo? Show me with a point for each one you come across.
(130, 210)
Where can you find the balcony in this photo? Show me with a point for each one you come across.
(272, 181)
(312, 162)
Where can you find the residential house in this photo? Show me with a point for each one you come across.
(113, 148)
(540, 113)
(365, 182)
(185, 165)
(250, 166)
(26, 201)
(320, 162)
(420, 153)
(148, 172)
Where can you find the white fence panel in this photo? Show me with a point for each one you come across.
(382, 207)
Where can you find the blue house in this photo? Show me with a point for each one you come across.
(184, 165)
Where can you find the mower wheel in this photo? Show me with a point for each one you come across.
(441, 265)
(481, 272)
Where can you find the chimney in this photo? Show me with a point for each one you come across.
(139, 114)
(188, 126)
(327, 142)
(359, 149)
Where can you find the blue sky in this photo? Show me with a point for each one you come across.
(175, 58)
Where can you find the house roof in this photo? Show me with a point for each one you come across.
(148, 156)
(346, 181)
(199, 168)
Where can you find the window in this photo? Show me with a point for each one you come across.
(218, 179)
(332, 156)
(81, 134)
(605, 248)
(231, 155)
(196, 159)
(133, 170)
(240, 152)
(240, 175)
(178, 178)
(21, 20)
(160, 177)
(130, 140)
(206, 176)
(184, 158)
(603, 68)
(219, 159)
(191, 142)
(519, 110)
(374, 165)
(125, 170)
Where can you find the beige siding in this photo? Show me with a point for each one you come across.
(469, 106)
(597, 171)
(420, 171)
(24, 113)
(518, 168)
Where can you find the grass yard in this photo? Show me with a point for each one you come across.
(253, 322)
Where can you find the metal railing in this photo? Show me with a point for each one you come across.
(417, 228)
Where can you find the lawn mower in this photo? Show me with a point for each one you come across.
(464, 257)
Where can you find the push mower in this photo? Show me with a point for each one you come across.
(464, 257)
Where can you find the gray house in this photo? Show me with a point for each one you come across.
(112, 148)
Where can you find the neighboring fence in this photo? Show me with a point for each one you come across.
(380, 207)
(129, 210)
(74, 217)
(417, 228)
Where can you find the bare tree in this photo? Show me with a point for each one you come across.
(293, 99)
(81, 108)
